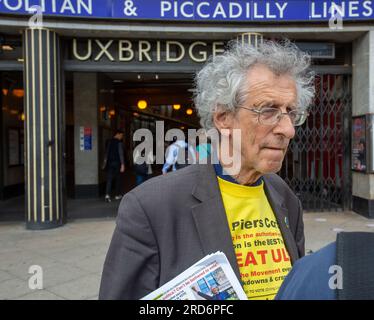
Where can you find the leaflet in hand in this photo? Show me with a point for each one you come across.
(211, 278)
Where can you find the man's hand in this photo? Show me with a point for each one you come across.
(122, 168)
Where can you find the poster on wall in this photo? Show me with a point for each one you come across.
(359, 144)
(85, 138)
(13, 147)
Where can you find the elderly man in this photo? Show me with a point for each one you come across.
(172, 221)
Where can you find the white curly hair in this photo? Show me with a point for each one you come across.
(222, 81)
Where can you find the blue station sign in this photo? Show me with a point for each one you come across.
(199, 10)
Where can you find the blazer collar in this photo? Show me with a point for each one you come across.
(211, 220)
(277, 202)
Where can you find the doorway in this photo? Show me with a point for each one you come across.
(12, 142)
(141, 101)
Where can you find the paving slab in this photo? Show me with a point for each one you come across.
(13, 288)
(40, 295)
(81, 289)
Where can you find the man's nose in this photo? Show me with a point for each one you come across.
(285, 127)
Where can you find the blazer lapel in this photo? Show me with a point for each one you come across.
(210, 217)
(281, 214)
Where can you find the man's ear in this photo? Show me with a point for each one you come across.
(223, 121)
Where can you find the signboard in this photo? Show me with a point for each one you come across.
(370, 142)
(15, 147)
(318, 50)
(359, 144)
(199, 10)
(166, 51)
(85, 139)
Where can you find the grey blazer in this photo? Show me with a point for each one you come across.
(170, 222)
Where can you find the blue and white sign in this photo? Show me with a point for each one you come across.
(199, 10)
(85, 138)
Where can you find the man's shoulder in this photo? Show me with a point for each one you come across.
(282, 189)
(164, 198)
(165, 186)
(278, 183)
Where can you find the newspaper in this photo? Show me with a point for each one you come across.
(211, 278)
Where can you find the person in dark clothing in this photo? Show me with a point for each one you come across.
(143, 169)
(343, 270)
(309, 277)
(114, 164)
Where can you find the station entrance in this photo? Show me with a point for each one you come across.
(127, 102)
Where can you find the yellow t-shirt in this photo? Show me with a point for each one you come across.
(258, 243)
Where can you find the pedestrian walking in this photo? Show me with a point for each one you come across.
(179, 155)
(143, 167)
(114, 163)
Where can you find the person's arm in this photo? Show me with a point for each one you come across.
(193, 154)
(150, 162)
(131, 268)
(105, 160)
(203, 295)
(121, 156)
(165, 168)
(170, 158)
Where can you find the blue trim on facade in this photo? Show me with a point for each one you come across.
(199, 10)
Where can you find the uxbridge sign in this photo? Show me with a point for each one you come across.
(121, 50)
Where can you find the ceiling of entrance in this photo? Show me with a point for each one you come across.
(154, 78)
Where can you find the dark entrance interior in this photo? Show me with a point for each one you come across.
(11, 134)
(132, 101)
(168, 99)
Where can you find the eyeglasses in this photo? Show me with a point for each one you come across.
(271, 116)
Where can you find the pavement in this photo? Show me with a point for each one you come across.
(14, 209)
(72, 256)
